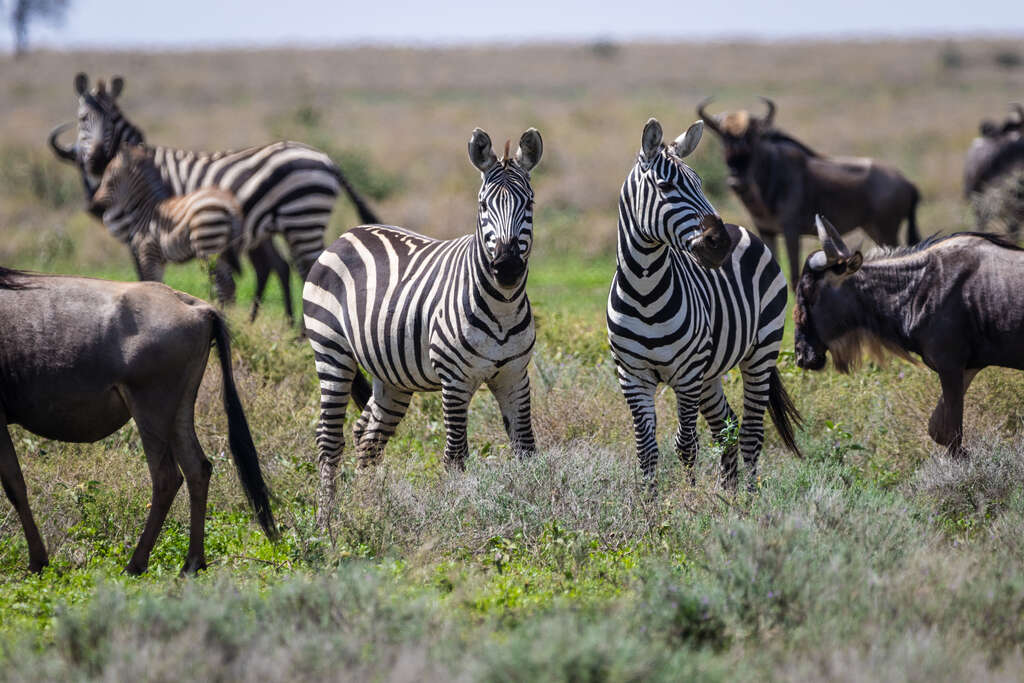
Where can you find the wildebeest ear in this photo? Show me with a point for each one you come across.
(480, 152)
(687, 142)
(116, 86)
(531, 147)
(81, 83)
(854, 263)
(650, 143)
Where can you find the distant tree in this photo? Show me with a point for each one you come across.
(24, 12)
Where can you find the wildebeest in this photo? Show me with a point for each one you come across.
(783, 183)
(952, 300)
(79, 357)
(994, 156)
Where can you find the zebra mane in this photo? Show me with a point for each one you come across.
(137, 161)
(879, 253)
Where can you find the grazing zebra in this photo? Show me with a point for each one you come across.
(674, 320)
(421, 314)
(204, 224)
(283, 187)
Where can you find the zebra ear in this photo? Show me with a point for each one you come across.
(651, 141)
(81, 83)
(480, 152)
(531, 147)
(687, 142)
(116, 86)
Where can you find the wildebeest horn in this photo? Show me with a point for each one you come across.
(769, 118)
(65, 153)
(709, 121)
(831, 242)
(1019, 108)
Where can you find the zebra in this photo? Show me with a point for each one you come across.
(421, 314)
(674, 320)
(283, 187)
(205, 223)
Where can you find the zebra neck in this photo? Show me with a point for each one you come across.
(642, 261)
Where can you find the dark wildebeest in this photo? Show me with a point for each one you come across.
(997, 153)
(953, 300)
(79, 357)
(784, 183)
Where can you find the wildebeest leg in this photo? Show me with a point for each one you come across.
(14, 486)
(639, 394)
(946, 423)
(155, 426)
(197, 469)
(513, 396)
(771, 240)
(379, 420)
(720, 416)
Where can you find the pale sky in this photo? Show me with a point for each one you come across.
(185, 23)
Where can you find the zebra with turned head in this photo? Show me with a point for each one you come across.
(204, 224)
(285, 187)
(421, 314)
(690, 299)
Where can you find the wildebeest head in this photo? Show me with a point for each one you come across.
(668, 204)
(818, 315)
(100, 123)
(740, 132)
(505, 212)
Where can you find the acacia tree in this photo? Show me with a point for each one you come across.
(24, 12)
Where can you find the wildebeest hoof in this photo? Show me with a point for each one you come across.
(193, 566)
(134, 568)
(36, 566)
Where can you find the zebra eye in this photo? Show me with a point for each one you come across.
(666, 187)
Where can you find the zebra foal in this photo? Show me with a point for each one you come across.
(204, 224)
(421, 314)
(678, 317)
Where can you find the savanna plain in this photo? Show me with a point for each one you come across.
(872, 557)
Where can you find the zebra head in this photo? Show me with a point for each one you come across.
(102, 128)
(666, 202)
(504, 225)
(131, 186)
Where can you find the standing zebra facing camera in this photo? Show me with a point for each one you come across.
(421, 314)
(204, 224)
(690, 299)
(283, 188)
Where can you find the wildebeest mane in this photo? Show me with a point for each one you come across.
(780, 136)
(12, 279)
(879, 253)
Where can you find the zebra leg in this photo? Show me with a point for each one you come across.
(222, 281)
(687, 402)
(335, 368)
(378, 422)
(720, 416)
(455, 397)
(514, 401)
(639, 394)
(755, 402)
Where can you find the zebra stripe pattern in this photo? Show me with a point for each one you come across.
(672, 320)
(421, 314)
(284, 187)
(159, 228)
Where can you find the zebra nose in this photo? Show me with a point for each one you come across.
(507, 266)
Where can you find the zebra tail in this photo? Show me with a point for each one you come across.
(243, 451)
(784, 413)
(361, 389)
(366, 214)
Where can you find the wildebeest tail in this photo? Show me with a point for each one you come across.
(784, 414)
(913, 237)
(366, 214)
(243, 450)
(361, 389)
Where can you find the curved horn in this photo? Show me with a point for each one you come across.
(1019, 108)
(831, 242)
(709, 121)
(769, 118)
(65, 153)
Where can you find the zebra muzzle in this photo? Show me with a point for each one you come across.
(508, 266)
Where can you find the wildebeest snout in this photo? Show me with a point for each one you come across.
(508, 265)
